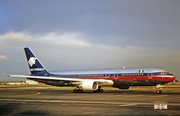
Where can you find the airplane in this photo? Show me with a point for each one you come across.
(94, 79)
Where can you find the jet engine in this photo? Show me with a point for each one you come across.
(89, 85)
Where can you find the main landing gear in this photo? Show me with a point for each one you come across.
(99, 90)
(79, 89)
(158, 88)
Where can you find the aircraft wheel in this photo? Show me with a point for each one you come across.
(81, 91)
(158, 91)
(78, 91)
(101, 90)
(74, 91)
(98, 91)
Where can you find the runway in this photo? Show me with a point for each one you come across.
(46, 100)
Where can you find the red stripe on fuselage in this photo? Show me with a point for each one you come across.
(131, 78)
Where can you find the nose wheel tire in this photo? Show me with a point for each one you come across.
(158, 91)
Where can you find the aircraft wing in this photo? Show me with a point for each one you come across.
(101, 82)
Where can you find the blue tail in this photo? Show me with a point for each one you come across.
(33, 62)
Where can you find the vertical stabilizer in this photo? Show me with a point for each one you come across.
(35, 65)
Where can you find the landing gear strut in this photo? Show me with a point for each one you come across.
(78, 89)
(158, 89)
(99, 90)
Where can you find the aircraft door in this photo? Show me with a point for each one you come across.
(116, 75)
(150, 74)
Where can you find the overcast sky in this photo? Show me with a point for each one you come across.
(88, 34)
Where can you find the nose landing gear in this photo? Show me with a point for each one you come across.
(158, 88)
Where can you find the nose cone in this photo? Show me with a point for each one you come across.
(173, 77)
(170, 78)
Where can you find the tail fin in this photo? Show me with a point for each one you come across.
(34, 64)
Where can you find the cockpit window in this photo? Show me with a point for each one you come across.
(164, 73)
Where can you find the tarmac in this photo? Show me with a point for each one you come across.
(61, 101)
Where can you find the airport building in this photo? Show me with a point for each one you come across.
(24, 82)
(31, 82)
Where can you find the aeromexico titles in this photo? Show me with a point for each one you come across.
(121, 78)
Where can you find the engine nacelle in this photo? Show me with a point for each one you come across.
(89, 85)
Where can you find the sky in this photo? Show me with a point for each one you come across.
(89, 34)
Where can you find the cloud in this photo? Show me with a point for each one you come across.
(73, 47)
(3, 57)
(71, 39)
(120, 23)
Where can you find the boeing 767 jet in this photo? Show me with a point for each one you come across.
(122, 78)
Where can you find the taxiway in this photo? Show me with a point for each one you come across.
(46, 100)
